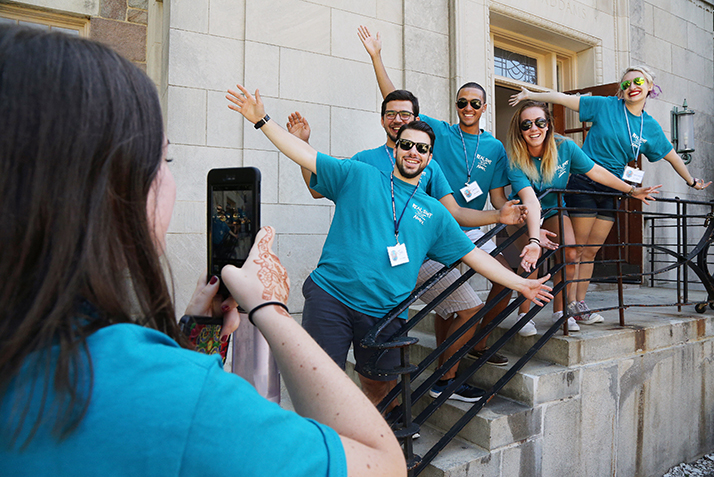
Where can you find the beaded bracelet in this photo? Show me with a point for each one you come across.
(267, 303)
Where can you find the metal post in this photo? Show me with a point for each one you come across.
(620, 246)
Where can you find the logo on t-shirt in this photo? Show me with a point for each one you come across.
(483, 162)
(636, 141)
(420, 214)
(560, 170)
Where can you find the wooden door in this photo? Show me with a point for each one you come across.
(631, 227)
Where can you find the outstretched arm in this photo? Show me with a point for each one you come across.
(253, 110)
(299, 127)
(373, 45)
(678, 164)
(319, 389)
(511, 213)
(570, 101)
(605, 177)
(483, 263)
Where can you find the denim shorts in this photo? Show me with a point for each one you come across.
(599, 206)
(335, 327)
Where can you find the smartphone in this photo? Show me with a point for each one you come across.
(204, 333)
(233, 217)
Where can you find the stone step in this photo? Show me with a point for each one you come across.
(501, 422)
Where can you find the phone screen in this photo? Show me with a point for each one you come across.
(232, 225)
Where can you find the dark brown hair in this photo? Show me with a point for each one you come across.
(81, 144)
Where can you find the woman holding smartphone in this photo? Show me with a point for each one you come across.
(621, 131)
(540, 160)
(95, 377)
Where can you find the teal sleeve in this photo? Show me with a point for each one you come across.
(438, 186)
(580, 163)
(589, 107)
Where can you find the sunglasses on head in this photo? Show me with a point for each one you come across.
(406, 145)
(462, 102)
(527, 124)
(403, 115)
(639, 81)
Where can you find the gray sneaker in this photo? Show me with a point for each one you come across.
(586, 316)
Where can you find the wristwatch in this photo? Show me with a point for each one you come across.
(262, 122)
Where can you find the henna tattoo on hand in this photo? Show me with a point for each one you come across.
(271, 274)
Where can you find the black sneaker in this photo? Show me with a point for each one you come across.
(465, 392)
(496, 359)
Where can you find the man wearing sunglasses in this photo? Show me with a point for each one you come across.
(383, 227)
(400, 107)
(475, 165)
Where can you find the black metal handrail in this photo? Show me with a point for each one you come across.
(405, 426)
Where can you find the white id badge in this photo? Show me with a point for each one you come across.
(471, 191)
(398, 254)
(633, 175)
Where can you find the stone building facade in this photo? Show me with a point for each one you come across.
(305, 56)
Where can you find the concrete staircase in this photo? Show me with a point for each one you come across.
(571, 400)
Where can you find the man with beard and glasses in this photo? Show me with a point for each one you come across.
(384, 226)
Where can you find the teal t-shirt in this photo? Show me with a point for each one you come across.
(354, 266)
(432, 178)
(160, 410)
(489, 168)
(571, 159)
(609, 143)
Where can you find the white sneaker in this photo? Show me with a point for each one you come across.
(529, 329)
(572, 324)
(586, 316)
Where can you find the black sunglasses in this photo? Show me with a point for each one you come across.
(406, 145)
(527, 124)
(462, 102)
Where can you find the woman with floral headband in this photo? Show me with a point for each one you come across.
(621, 131)
(538, 160)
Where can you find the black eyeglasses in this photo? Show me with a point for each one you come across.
(406, 145)
(403, 115)
(462, 102)
(527, 124)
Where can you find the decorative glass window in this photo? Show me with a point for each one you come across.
(16, 15)
(515, 66)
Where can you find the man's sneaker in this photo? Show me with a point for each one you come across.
(572, 324)
(465, 392)
(586, 316)
(529, 329)
(497, 359)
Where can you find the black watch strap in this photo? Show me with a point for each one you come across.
(260, 123)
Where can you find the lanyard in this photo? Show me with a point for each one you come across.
(394, 207)
(391, 159)
(466, 157)
(636, 152)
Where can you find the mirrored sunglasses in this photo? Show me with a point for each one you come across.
(406, 145)
(462, 102)
(527, 124)
(639, 81)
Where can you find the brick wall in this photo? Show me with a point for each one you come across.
(122, 25)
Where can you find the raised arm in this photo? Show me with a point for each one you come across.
(534, 290)
(319, 389)
(605, 177)
(570, 101)
(253, 110)
(373, 45)
(299, 127)
(678, 164)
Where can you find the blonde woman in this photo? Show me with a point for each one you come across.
(540, 160)
(621, 131)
